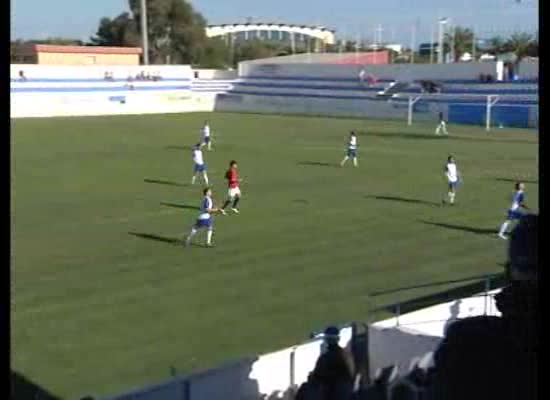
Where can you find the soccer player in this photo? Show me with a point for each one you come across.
(233, 193)
(199, 165)
(204, 219)
(514, 212)
(351, 150)
(442, 125)
(453, 176)
(206, 140)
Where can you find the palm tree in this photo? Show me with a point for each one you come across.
(462, 38)
(497, 45)
(519, 44)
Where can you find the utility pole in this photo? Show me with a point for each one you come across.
(144, 37)
(413, 41)
(432, 45)
(440, 45)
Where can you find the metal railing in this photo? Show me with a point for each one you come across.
(480, 283)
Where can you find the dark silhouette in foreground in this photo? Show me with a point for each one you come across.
(488, 357)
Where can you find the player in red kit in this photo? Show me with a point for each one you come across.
(233, 193)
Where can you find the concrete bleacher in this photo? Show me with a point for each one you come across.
(321, 89)
(45, 91)
(325, 89)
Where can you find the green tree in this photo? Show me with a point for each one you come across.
(459, 41)
(175, 30)
(120, 31)
(520, 44)
(533, 50)
(497, 45)
(254, 49)
(214, 54)
(58, 41)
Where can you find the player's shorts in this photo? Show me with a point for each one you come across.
(206, 139)
(352, 153)
(200, 167)
(233, 192)
(453, 184)
(514, 214)
(203, 223)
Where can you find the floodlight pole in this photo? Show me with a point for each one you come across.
(440, 46)
(144, 38)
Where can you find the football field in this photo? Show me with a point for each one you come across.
(105, 299)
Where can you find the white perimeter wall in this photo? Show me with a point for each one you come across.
(85, 92)
(394, 341)
(403, 72)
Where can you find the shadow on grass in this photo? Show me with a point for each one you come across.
(163, 182)
(300, 201)
(182, 206)
(24, 389)
(179, 147)
(463, 291)
(511, 180)
(415, 136)
(404, 200)
(154, 237)
(470, 229)
(399, 135)
(318, 164)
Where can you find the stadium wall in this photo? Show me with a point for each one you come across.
(400, 341)
(401, 72)
(47, 91)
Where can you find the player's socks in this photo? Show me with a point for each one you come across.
(226, 204)
(344, 161)
(236, 201)
(451, 197)
(503, 229)
(355, 163)
(209, 238)
(191, 234)
(205, 178)
(193, 179)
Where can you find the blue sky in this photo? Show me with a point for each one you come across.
(350, 18)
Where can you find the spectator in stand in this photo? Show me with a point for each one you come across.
(488, 357)
(22, 76)
(334, 370)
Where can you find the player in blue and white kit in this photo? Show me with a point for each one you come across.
(205, 139)
(442, 126)
(199, 165)
(351, 150)
(453, 177)
(515, 212)
(204, 219)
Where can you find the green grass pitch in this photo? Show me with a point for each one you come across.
(104, 301)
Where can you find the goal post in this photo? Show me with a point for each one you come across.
(412, 101)
(491, 101)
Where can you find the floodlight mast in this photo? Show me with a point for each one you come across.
(144, 38)
(440, 46)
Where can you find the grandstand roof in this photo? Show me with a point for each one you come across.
(274, 24)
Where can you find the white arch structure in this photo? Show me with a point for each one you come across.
(324, 35)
